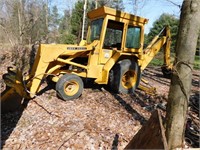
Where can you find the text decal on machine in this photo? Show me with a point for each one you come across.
(76, 48)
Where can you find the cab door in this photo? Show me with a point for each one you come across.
(112, 40)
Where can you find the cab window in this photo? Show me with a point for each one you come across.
(113, 36)
(133, 37)
(96, 26)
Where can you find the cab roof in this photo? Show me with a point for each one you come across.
(104, 11)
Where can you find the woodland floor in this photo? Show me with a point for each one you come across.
(99, 119)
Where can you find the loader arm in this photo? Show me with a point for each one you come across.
(47, 61)
(163, 39)
(52, 53)
(45, 55)
(28, 86)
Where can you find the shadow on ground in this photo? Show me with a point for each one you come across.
(9, 120)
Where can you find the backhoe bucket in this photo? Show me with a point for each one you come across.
(167, 71)
(10, 100)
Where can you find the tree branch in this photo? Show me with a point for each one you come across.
(179, 6)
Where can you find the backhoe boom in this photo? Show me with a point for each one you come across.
(155, 46)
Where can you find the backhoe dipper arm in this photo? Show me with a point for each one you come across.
(163, 39)
(166, 48)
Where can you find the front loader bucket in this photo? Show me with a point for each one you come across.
(12, 97)
(10, 100)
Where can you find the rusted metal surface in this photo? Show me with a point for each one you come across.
(151, 135)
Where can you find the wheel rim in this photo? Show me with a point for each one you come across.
(129, 79)
(71, 88)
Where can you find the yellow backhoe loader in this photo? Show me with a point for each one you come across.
(112, 54)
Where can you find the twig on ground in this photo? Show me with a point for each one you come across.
(50, 113)
(69, 138)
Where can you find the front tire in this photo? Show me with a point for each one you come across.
(125, 76)
(69, 87)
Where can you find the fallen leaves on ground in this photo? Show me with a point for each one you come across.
(99, 119)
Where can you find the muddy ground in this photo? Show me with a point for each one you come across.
(99, 119)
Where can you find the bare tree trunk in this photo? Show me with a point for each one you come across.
(96, 4)
(19, 11)
(47, 15)
(182, 75)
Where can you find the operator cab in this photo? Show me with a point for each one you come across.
(116, 30)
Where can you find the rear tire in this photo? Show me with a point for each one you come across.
(125, 76)
(69, 87)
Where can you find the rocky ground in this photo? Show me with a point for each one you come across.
(99, 119)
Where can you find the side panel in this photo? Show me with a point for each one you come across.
(103, 79)
(106, 54)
